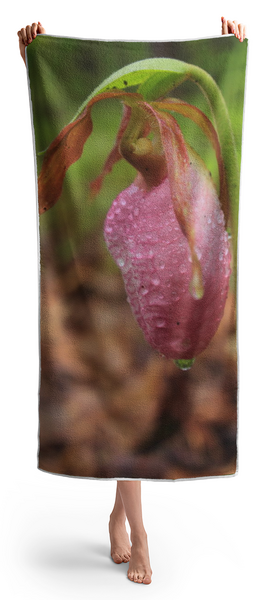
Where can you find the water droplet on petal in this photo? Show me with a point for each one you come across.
(160, 323)
(120, 262)
(155, 280)
(144, 291)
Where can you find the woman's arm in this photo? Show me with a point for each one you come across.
(26, 35)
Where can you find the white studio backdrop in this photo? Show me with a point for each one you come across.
(208, 538)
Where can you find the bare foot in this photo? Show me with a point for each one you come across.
(120, 543)
(139, 566)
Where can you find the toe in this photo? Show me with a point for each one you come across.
(125, 559)
(147, 579)
(116, 558)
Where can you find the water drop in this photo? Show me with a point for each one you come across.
(139, 255)
(160, 323)
(227, 272)
(175, 297)
(155, 280)
(143, 291)
(182, 269)
(150, 254)
(123, 202)
(120, 262)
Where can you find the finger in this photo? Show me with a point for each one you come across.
(230, 26)
(23, 35)
(224, 26)
(21, 43)
(241, 31)
(41, 29)
(28, 34)
(34, 28)
(236, 29)
(22, 46)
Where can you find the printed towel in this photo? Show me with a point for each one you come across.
(138, 150)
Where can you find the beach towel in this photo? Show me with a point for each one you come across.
(137, 151)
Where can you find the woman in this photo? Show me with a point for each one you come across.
(128, 493)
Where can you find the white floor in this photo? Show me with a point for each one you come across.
(204, 542)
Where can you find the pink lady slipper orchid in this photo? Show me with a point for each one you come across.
(167, 230)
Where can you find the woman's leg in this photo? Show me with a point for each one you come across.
(139, 566)
(120, 543)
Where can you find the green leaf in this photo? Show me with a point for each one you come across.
(155, 76)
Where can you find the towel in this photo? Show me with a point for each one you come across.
(137, 151)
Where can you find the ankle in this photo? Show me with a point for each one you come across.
(118, 517)
(138, 535)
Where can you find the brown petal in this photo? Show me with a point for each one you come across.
(62, 152)
(67, 148)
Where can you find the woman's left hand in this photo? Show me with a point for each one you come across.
(233, 27)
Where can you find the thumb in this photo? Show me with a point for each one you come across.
(40, 28)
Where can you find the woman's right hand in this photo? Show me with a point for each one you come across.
(26, 35)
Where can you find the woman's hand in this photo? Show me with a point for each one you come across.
(233, 27)
(26, 35)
